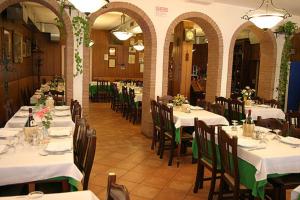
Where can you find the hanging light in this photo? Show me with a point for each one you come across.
(266, 15)
(121, 33)
(90, 6)
(139, 46)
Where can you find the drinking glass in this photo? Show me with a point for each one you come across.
(234, 123)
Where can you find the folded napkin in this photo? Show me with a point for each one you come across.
(196, 108)
(59, 131)
(290, 140)
(8, 132)
(247, 143)
(62, 113)
(3, 148)
(59, 146)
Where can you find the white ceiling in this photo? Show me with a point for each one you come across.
(109, 20)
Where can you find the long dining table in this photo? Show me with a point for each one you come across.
(264, 111)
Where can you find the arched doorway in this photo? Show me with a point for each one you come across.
(215, 52)
(55, 7)
(267, 67)
(149, 59)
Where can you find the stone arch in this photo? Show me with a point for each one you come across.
(149, 59)
(268, 53)
(55, 7)
(215, 52)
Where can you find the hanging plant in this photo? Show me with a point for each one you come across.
(58, 22)
(288, 29)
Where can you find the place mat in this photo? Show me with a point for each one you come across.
(59, 131)
(58, 147)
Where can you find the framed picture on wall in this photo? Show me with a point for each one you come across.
(112, 51)
(17, 47)
(112, 63)
(7, 44)
(131, 59)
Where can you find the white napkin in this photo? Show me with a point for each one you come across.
(247, 143)
(62, 113)
(290, 140)
(58, 146)
(7, 132)
(59, 131)
(196, 108)
(62, 107)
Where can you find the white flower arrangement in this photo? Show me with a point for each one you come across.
(247, 92)
(179, 100)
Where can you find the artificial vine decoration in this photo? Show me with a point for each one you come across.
(81, 29)
(59, 23)
(289, 28)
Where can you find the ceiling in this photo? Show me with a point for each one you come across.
(109, 21)
(293, 6)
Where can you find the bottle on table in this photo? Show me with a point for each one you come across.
(30, 121)
(249, 118)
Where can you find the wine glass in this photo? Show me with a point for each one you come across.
(276, 137)
(234, 123)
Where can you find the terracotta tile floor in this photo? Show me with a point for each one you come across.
(122, 149)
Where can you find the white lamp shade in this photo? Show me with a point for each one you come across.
(139, 47)
(89, 6)
(266, 21)
(122, 35)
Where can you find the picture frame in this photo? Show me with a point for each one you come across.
(131, 50)
(141, 67)
(131, 59)
(105, 57)
(112, 63)
(17, 47)
(112, 51)
(7, 44)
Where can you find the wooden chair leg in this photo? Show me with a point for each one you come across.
(65, 186)
(199, 178)
(171, 152)
(212, 185)
(154, 139)
(221, 187)
(162, 146)
(31, 187)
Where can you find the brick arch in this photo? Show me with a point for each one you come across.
(268, 53)
(54, 7)
(149, 59)
(215, 52)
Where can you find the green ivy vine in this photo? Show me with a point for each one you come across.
(288, 29)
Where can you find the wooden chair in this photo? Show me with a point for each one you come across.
(202, 103)
(125, 102)
(229, 167)
(116, 103)
(164, 99)
(293, 119)
(224, 102)
(155, 112)
(59, 97)
(207, 156)
(78, 137)
(236, 110)
(273, 103)
(115, 191)
(134, 108)
(88, 155)
(102, 90)
(168, 132)
(76, 110)
(258, 100)
(294, 132)
(217, 109)
(272, 124)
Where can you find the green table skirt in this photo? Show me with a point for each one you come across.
(93, 89)
(74, 184)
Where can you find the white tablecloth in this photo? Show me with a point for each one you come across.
(138, 97)
(277, 157)
(187, 119)
(80, 195)
(295, 195)
(19, 122)
(25, 164)
(265, 112)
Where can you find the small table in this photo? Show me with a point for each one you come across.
(80, 195)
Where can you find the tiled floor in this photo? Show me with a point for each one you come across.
(122, 149)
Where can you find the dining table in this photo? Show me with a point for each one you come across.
(269, 156)
(265, 111)
(186, 119)
(43, 157)
(61, 117)
(79, 195)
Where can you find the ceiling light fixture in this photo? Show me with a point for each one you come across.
(90, 6)
(120, 32)
(266, 15)
(139, 46)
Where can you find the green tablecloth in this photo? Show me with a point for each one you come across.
(93, 89)
(247, 174)
(74, 184)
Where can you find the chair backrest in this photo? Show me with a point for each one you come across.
(270, 123)
(76, 110)
(229, 158)
(125, 94)
(89, 155)
(202, 103)
(115, 191)
(295, 132)
(236, 110)
(205, 138)
(223, 101)
(293, 118)
(155, 107)
(217, 109)
(80, 132)
(273, 103)
(131, 97)
(166, 119)
(164, 99)
(257, 100)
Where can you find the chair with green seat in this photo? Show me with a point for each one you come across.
(293, 119)
(125, 102)
(236, 110)
(229, 167)
(168, 132)
(134, 109)
(207, 156)
(217, 109)
(224, 102)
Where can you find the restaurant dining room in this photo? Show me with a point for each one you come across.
(140, 100)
